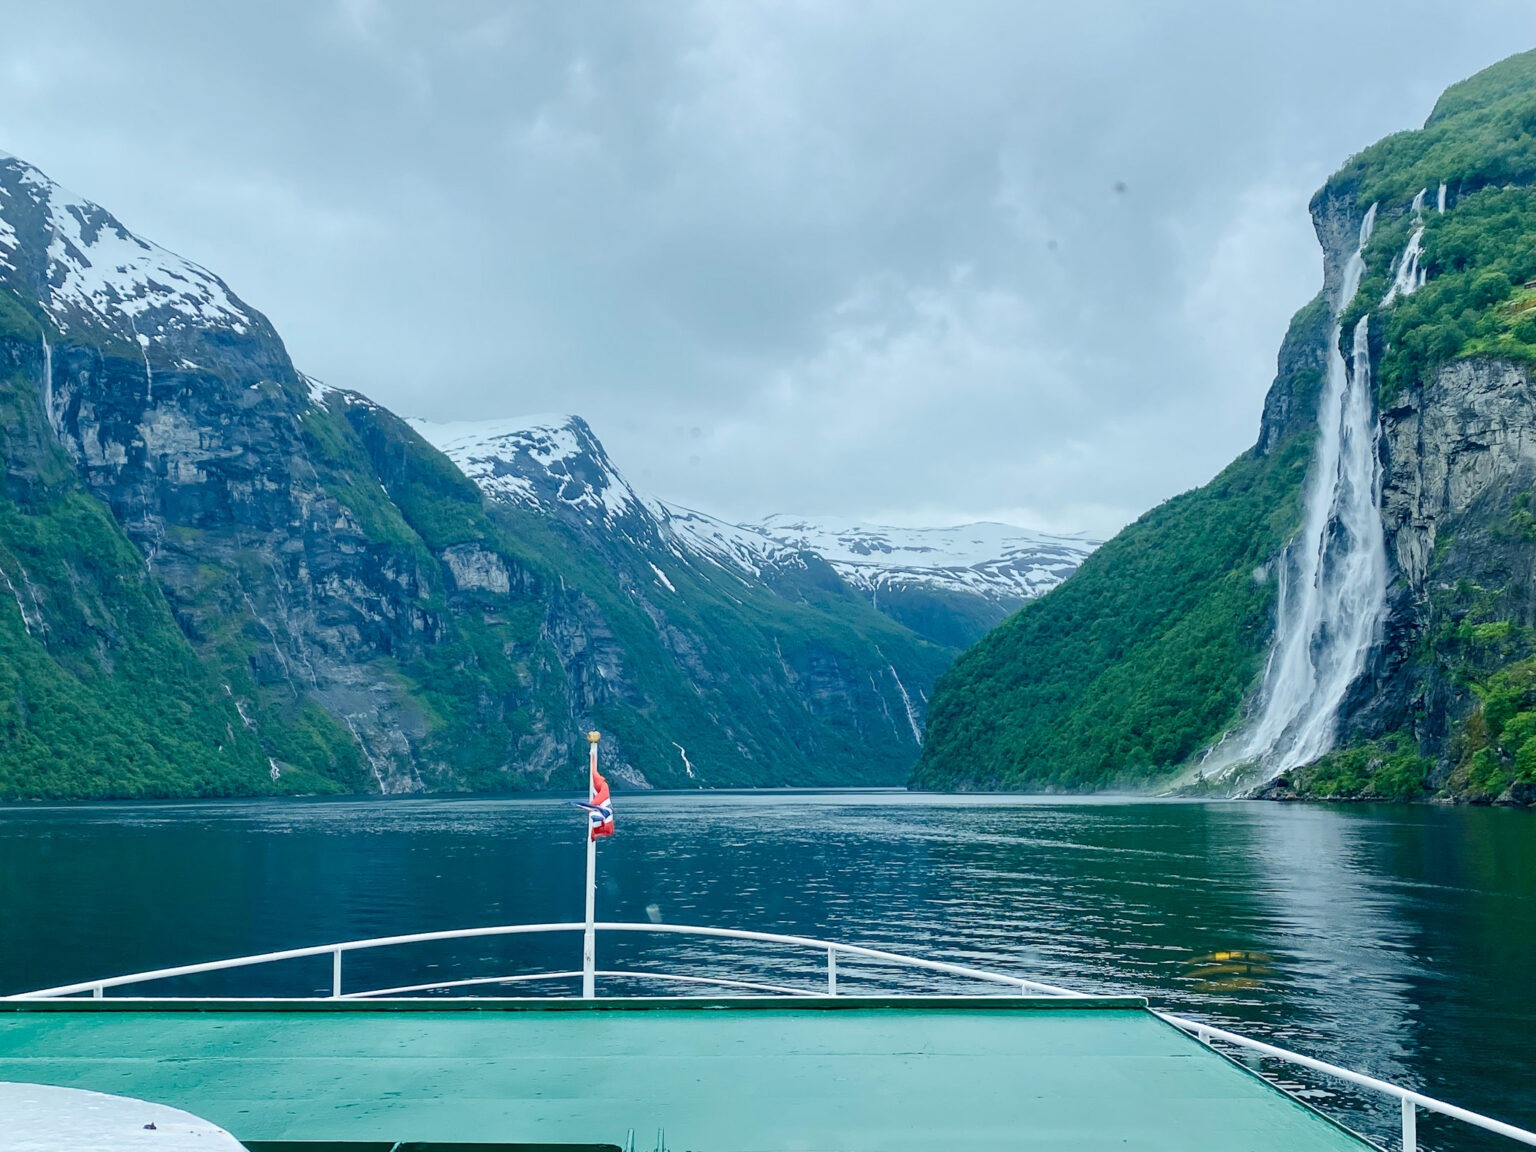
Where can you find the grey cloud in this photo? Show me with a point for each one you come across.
(876, 254)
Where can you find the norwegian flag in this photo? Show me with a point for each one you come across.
(599, 807)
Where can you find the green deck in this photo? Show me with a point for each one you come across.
(718, 1075)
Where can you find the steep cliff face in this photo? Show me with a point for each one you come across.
(99, 691)
(299, 537)
(1459, 456)
(1457, 452)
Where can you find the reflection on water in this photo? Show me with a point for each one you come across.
(1397, 940)
(1229, 972)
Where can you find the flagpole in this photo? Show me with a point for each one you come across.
(589, 934)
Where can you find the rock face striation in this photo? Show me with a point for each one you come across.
(218, 576)
(1459, 458)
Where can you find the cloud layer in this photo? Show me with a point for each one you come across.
(911, 262)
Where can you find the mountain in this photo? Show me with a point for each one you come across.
(1348, 609)
(947, 584)
(220, 577)
(234, 583)
(709, 672)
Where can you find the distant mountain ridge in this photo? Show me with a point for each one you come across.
(998, 562)
(967, 577)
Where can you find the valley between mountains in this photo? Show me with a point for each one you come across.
(219, 577)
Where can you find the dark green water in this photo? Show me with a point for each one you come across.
(1400, 941)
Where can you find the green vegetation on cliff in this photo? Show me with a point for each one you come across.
(1387, 769)
(1135, 662)
(100, 693)
(1497, 748)
(1478, 299)
(1480, 257)
(713, 672)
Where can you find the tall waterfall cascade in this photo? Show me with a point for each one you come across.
(1333, 576)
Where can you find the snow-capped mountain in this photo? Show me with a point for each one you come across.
(98, 273)
(997, 561)
(557, 464)
(537, 461)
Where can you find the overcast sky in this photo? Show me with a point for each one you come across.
(915, 263)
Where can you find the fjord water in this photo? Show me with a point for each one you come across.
(1399, 940)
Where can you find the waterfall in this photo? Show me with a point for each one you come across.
(48, 382)
(1440, 201)
(149, 375)
(1333, 577)
(917, 732)
(1410, 274)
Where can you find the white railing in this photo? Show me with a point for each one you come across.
(1410, 1100)
(831, 949)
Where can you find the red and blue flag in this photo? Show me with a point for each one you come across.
(599, 805)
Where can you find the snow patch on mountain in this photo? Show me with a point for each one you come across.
(318, 390)
(98, 271)
(745, 547)
(539, 461)
(996, 561)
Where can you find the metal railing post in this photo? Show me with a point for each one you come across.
(831, 971)
(336, 974)
(98, 992)
(1410, 1126)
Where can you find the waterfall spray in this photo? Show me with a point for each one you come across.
(1333, 577)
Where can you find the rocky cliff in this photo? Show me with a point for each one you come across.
(297, 538)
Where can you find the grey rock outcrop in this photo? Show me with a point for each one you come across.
(1459, 457)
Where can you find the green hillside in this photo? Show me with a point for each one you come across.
(1138, 659)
